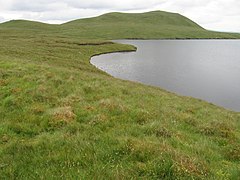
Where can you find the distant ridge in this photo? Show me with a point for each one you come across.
(26, 24)
(116, 25)
(153, 17)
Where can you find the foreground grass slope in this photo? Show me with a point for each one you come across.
(61, 118)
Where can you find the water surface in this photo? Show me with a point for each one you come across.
(205, 69)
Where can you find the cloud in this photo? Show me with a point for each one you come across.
(2, 19)
(46, 5)
(37, 6)
(221, 15)
(116, 4)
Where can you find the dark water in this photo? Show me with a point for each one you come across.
(205, 69)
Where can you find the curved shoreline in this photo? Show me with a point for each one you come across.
(123, 51)
(162, 88)
(180, 39)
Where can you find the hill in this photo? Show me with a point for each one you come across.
(150, 25)
(24, 24)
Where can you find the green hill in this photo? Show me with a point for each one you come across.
(24, 24)
(155, 24)
(62, 118)
(150, 25)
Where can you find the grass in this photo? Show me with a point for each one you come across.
(61, 118)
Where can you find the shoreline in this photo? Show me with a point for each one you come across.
(126, 51)
(177, 39)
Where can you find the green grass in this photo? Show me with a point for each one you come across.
(61, 118)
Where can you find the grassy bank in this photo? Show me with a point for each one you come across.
(61, 118)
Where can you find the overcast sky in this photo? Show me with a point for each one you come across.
(221, 15)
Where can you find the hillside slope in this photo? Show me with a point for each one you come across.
(60, 117)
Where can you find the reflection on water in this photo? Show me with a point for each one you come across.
(205, 69)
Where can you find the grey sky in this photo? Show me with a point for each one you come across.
(221, 15)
